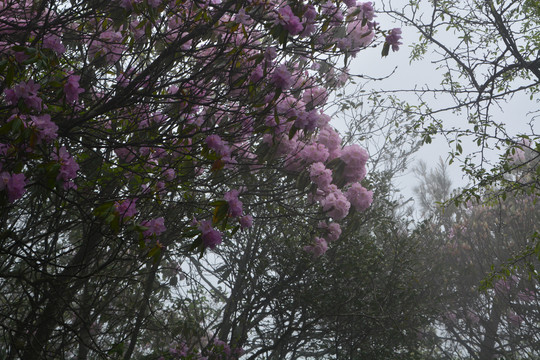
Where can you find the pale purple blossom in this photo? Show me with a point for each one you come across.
(314, 153)
(26, 91)
(215, 143)
(235, 205)
(355, 159)
(336, 204)
(169, 174)
(526, 295)
(358, 36)
(126, 208)
(14, 184)
(514, 319)
(367, 11)
(333, 231)
(359, 197)
(317, 96)
(125, 154)
(320, 175)
(331, 139)
(473, 317)
(46, 129)
(319, 247)
(282, 78)
(108, 45)
(72, 89)
(393, 39)
(154, 227)
(210, 237)
(68, 166)
(246, 221)
(242, 18)
(289, 21)
(256, 74)
(310, 14)
(270, 54)
(51, 41)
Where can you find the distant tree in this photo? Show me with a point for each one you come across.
(483, 316)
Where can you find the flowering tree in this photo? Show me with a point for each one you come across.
(135, 132)
(266, 295)
(337, 306)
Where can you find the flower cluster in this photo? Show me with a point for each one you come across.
(89, 90)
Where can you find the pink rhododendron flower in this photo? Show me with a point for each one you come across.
(289, 21)
(359, 197)
(169, 174)
(125, 77)
(126, 208)
(282, 78)
(235, 205)
(51, 41)
(108, 45)
(333, 232)
(451, 316)
(311, 120)
(317, 96)
(314, 153)
(26, 91)
(72, 89)
(366, 10)
(526, 295)
(270, 53)
(210, 237)
(14, 184)
(215, 143)
(517, 156)
(125, 154)
(310, 14)
(242, 18)
(393, 39)
(246, 221)
(358, 36)
(331, 139)
(336, 204)
(46, 129)
(319, 247)
(320, 175)
(155, 227)
(68, 166)
(473, 317)
(355, 159)
(514, 319)
(256, 74)
(137, 31)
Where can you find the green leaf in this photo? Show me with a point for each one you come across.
(283, 36)
(104, 209)
(10, 74)
(292, 132)
(196, 244)
(155, 252)
(220, 212)
(386, 49)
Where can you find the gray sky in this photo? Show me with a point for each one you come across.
(424, 73)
